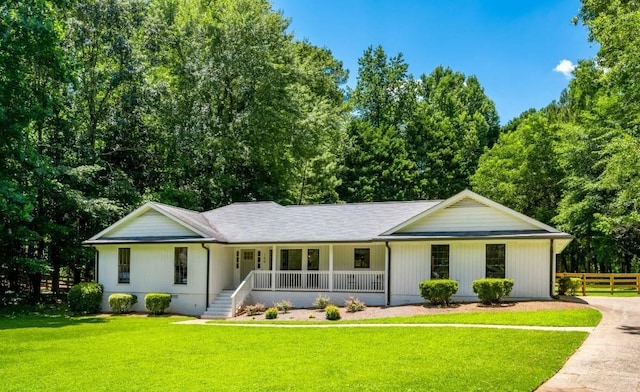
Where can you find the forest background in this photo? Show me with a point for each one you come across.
(106, 104)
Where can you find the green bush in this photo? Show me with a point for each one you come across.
(438, 291)
(254, 309)
(122, 303)
(284, 306)
(568, 285)
(85, 298)
(157, 303)
(332, 312)
(271, 313)
(321, 302)
(491, 291)
(353, 304)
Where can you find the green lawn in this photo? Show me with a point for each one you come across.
(605, 291)
(586, 317)
(140, 353)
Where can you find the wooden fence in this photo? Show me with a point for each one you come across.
(610, 281)
(64, 283)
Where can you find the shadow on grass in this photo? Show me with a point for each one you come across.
(45, 321)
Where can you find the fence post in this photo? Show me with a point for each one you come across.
(611, 283)
(638, 283)
(584, 285)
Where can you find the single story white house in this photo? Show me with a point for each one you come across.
(214, 262)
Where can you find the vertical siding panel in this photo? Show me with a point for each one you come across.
(467, 263)
(528, 265)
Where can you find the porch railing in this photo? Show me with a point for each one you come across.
(350, 281)
(241, 293)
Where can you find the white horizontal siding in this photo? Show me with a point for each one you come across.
(467, 215)
(150, 224)
(527, 262)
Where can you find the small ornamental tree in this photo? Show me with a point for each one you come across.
(157, 303)
(85, 298)
(438, 291)
(491, 291)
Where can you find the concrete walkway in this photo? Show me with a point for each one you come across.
(609, 359)
(313, 325)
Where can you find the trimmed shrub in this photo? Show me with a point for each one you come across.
(271, 313)
(284, 306)
(353, 304)
(568, 285)
(85, 298)
(254, 309)
(491, 291)
(438, 291)
(157, 303)
(332, 312)
(122, 303)
(321, 302)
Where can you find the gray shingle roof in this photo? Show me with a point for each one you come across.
(191, 218)
(268, 222)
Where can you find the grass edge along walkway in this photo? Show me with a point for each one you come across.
(386, 325)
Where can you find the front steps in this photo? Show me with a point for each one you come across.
(220, 307)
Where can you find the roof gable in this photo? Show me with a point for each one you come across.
(469, 212)
(150, 220)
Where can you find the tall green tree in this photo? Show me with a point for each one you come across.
(453, 123)
(377, 166)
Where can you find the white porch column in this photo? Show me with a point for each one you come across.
(330, 267)
(385, 278)
(273, 267)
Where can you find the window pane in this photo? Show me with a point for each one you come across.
(313, 259)
(495, 260)
(180, 266)
(440, 261)
(124, 264)
(291, 259)
(362, 258)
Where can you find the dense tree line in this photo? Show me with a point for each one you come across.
(105, 104)
(576, 163)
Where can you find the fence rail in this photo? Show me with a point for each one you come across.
(352, 281)
(611, 281)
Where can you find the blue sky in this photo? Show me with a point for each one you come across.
(512, 47)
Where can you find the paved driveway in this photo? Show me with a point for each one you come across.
(609, 359)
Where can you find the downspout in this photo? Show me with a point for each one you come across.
(386, 244)
(206, 295)
(97, 264)
(552, 273)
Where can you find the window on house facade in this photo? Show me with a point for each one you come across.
(495, 259)
(291, 259)
(361, 258)
(439, 261)
(313, 259)
(124, 265)
(180, 262)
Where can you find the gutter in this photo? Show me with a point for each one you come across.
(206, 295)
(386, 244)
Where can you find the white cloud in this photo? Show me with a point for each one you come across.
(565, 67)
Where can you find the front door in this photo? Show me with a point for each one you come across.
(247, 262)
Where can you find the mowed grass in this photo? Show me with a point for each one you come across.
(605, 291)
(151, 354)
(586, 317)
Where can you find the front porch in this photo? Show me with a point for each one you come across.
(302, 272)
